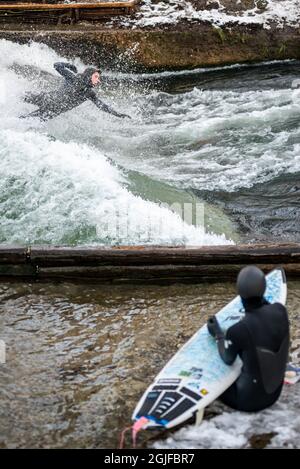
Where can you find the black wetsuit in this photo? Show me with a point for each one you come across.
(261, 340)
(77, 89)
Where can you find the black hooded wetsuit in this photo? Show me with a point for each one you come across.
(261, 340)
(77, 89)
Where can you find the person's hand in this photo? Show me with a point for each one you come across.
(214, 328)
(73, 68)
(125, 115)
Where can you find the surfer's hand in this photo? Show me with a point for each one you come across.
(214, 327)
(72, 68)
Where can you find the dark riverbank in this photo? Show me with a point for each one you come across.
(179, 48)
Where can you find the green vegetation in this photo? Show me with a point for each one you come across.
(221, 34)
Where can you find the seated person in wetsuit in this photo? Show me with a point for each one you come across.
(76, 89)
(261, 340)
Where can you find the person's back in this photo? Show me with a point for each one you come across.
(261, 340)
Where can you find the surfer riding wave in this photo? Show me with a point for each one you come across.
(77, 88)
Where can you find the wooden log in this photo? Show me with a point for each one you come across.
(18, 271)
(64, 13)
(208, 255)
(154, 274)
(14, 2)
(14, 255)
(145, 264)
(66, 6)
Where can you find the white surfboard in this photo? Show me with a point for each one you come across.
(196, 375)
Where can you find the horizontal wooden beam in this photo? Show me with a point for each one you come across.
(142, 264)
(14, 255)
(211, 255)
(67, 6)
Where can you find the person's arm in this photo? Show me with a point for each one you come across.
(104, 107)
(227, 346)
(38, 113)
(66, 70)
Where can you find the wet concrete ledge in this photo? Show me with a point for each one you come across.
(141, 264)
(185, 46)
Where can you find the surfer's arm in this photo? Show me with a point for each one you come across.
(38, 113)
(226, 346)
(230, 344)
(66, 70)
(227, 350)
(104, 107)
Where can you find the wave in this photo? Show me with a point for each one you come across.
(67, 193)
(206, 140)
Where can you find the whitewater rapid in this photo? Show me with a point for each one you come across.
(59, 181)
(224, 139)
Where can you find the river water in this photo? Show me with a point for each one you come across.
(80, 357)
(225, 140)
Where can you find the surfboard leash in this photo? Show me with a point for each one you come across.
(135, 429)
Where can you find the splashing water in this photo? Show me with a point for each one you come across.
(58, 180)
(229, 137)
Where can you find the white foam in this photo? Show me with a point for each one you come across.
(202, 139)
(232, 430)
(65, 192)
(34, 54)
(278, 12)
(54, 192)
(218, 139)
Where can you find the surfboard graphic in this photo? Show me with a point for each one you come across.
(196, 375)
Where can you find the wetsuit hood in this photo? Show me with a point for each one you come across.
(85, 78)
(251, 283)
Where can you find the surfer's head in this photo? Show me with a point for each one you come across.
(91, 77)
(95, 78)
(251, 283)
